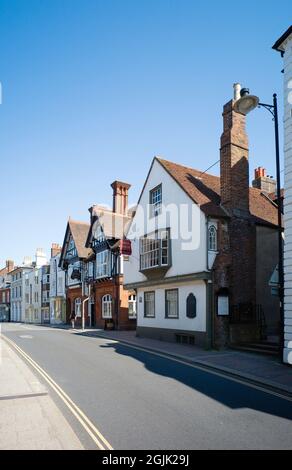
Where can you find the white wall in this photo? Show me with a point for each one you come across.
(57, 278)
(187, 257)
(33, 306)
(198, 288)
(288, 199)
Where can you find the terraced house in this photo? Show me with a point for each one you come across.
(204, 248)
(5, 281)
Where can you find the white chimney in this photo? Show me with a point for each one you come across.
(236, 89)
(40, 258)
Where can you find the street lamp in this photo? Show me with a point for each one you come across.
(244, 105)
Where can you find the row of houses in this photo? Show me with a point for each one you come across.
(191, 262)
(33, 292)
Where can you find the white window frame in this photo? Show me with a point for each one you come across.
(77, 304)
(212, 238)
(155, 250)
(156, 200)
(103, 264)
(132, 306)
(107, 307)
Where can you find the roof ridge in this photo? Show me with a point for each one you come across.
(187, 167)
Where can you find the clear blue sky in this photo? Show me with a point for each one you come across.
(93, 89)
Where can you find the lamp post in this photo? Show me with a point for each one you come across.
(244, 105)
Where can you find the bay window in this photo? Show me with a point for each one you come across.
(155, 250)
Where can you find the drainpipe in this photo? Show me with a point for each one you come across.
(209, 297)
(83, 308)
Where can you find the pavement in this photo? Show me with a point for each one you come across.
(29, 418)
(258, 368)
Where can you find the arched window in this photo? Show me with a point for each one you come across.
(78, 303)
(191, 306)
(212, 238)
(107, 305)
(132, 306)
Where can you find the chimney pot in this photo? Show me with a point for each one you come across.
(55, 249)
(236, 88)
(120, 197)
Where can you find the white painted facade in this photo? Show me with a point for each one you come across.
(287, 49)
(24, 309)
(57, 292)
(183, 323)
(189, 254)
(18, 293)
(33, 295)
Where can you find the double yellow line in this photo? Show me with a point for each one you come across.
(85, 422)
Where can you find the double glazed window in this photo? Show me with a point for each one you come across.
(156, 201)
(103, 264)
(107, 306)
(171, 303)
(149, 304)
(154, 250)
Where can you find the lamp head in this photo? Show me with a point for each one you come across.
(246, 102)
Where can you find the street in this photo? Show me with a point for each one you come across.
(139, 400)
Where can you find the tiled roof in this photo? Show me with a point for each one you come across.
(204, 190)
(79, 231)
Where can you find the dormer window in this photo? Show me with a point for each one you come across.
(156, 201)
(212, 238)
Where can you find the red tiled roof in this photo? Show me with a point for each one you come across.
(79, 231)
(204, 190)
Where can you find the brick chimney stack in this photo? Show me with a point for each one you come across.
(9, 265)
(234, 171)
(120, 197)
(264, 182)
(55, 250)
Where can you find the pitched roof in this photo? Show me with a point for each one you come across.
(278, 46)
(204, 190)
(114, 225)
(79, 232)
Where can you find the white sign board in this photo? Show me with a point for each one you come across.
(223, 305)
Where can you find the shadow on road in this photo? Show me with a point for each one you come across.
(229, 393)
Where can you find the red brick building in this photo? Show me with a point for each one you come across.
(111, 306)
(93, 257)
(73, 260)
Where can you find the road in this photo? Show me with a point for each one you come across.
(139, 400)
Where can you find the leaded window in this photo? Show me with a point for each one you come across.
(212, 238)
(149, 304)
(171, 303)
